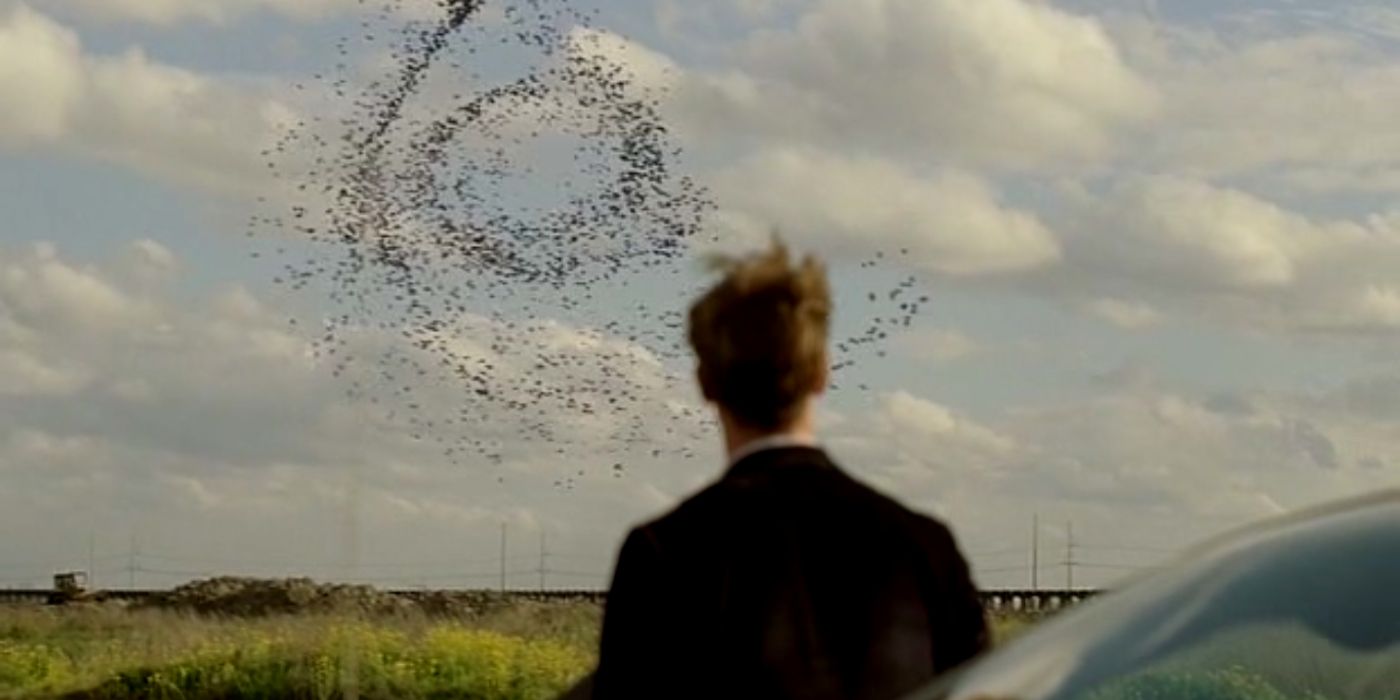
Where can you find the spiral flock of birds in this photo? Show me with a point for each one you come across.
(504, 208)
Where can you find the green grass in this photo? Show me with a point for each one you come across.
(524, 652)
(521, 651)
(1006, 628)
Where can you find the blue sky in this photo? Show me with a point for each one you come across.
(1161, 241)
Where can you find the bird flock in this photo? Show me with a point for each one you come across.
(499, 220)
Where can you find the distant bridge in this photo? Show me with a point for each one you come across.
(997, 602)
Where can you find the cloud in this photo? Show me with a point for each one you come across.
(1125, 314)
(915, 447)
(110, 411)
(22, 374)
(937, 345)
(170, 12)
(908, 416)
(1282, 102)
(39, 77)
(949, 222)
(1173, 454)
(203, 419)
(168, 122)
(1157, 441)
(1139, 461)
(1195, 142)
(646, 68)
(1188, 232)
(37, 288)
(1231, 257)
(927, 79)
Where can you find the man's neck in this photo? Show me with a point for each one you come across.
(737, 437)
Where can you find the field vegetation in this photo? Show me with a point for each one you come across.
(102, 652)
(498, 651)
(108, 652)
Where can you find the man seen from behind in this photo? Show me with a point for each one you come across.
(786, 578)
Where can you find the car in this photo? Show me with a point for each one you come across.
(1306, 607)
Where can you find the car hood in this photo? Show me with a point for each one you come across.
(1335, 569)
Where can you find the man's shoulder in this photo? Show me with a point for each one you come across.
(726, 496)
(708, 499)
(895, 510)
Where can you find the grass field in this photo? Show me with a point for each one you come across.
(80, 652)
(522, 651)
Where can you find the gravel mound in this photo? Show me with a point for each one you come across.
(232, 596)
(250, 597)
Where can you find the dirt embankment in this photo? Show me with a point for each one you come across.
(251, 597)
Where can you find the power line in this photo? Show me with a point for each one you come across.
(1121, 567)
(1002, 569)
(1127, 548)
(981, 553)
(51, 563)
(264, 563)
(579, 574)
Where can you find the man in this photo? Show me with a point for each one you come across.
(787, 578)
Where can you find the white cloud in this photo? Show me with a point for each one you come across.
(1312, 107)
(1188, 232)
(37, 288)
(117, 419)
(1128, 315)
(760, 9)
(1231, 257)
(22, 374)
(937, 345)
(908, 416)
(1135, 463)
(879, 124)
(910, 445)
(169, 12)
(40, 78)
(208, 417)
(928, 79)
(646, 67)
(168, 122)
(949, 222)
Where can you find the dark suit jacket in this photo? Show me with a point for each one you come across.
(787, 579)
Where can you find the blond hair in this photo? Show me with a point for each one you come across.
(760, 335)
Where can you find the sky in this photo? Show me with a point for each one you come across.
(1160, 240)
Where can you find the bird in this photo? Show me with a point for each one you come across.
(455, 249)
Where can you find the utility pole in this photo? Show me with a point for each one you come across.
(352, 522)
(1069, 556)
(543, 555)
(92, 557)
(1035, 552)
(131, 563)
(503, 557)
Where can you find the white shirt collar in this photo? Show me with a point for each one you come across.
(770, 442)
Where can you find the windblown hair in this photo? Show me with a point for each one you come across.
(760, 335)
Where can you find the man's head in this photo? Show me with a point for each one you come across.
(760, 338)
